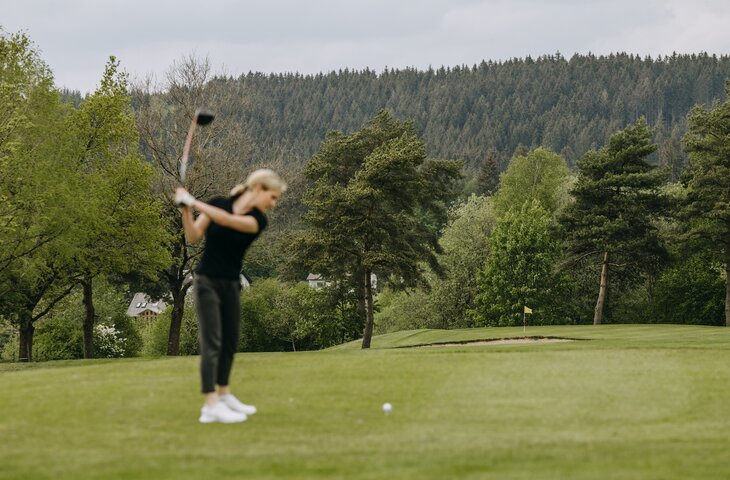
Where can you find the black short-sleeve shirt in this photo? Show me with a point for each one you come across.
(225, 247)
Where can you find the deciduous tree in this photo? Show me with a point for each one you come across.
(520, 271)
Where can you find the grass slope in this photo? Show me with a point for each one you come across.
(632, 402)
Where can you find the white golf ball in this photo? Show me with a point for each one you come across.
(387, 407)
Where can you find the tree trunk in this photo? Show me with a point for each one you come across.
(598, 314)
(369, 318)
(727, 290)
(88, 318)
(25, 349)
(360, 293)
(178, 309)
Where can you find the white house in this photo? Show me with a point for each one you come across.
(142, 307)
(316, 281)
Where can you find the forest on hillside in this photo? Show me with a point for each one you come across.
(570, 106)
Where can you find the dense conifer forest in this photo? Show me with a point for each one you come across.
(465, 112)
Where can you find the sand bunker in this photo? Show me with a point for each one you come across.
(501, 341)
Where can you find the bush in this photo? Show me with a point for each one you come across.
(9, 352)
(404, 311)
(690, 292)
(259, 304)
(8, 341)
(132, 340)
(58, 338)
(108, 342)
(157, 334)
(277, 316)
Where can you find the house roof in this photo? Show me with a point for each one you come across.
(142, 302)
(314, 276)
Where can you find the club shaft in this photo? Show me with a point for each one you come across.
(186, 150)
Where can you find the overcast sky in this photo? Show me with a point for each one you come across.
(76, 37)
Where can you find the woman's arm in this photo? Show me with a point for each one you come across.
(194, 229)
(208, 213)
(242, 223)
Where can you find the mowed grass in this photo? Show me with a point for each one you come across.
(644, 402)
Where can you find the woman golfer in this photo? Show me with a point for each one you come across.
(230, 225)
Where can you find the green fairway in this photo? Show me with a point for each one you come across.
(640, 402)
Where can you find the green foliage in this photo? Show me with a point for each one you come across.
(7, 335)
(34, 197)
(277, 316)
(58, 338)
(520, 271)
(569, 105)
(371, 192)
(691, 292)
(404, 310)
(465, 242)
(539, 175)
(123, 226)
(487, 180)
(75, 196)
(155, 333)
(258, 304)
(618, 200)
(375, 206)
(129, 339)
(707, 206)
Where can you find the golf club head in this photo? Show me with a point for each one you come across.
(203, 117)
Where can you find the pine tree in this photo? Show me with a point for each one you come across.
(488, 178)
(617, 199)
(375, 207)
(707, 208)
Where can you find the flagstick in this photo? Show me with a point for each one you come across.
(524, 322)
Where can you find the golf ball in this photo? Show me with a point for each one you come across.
(387, 407)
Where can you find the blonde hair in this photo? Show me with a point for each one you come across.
(265, 177)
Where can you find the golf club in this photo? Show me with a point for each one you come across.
(201, 117)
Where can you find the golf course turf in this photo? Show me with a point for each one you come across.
(626, 401)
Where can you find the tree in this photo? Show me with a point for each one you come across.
(488, 177)
(123, 230)
(37, 190)
(541, 175)
(375, 207)
(220, 154)
(520, 271)
(617, 199)
(707, 208)
(690, 292)
(466, 245)
(30, 133)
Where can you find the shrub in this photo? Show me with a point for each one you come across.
(404, 311)
(690, 292)
(58, 338)
(108, 342)
(156, 335)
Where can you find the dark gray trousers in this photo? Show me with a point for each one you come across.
(218, 305)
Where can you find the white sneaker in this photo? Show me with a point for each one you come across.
(236, 405)
(220, 413)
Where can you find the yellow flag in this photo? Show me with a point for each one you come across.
(528, 309)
